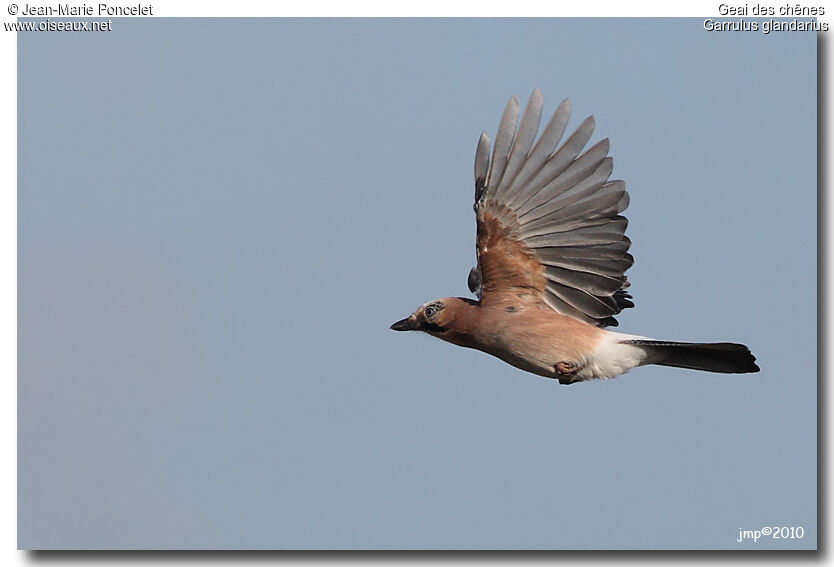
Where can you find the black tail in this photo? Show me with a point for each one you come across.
(712, 357)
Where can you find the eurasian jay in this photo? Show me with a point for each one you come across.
(552, 253)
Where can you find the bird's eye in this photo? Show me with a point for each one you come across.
(430, 311)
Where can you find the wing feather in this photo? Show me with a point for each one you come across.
(570, 193)
(592, 305)
(594, 266)
(600, 205)
(596, 284)
(503, 142)
(557, 304)
(523, 141)
(608, 233)
(549, 222)
(481, 165)
(541, 151)
(590, 167)
(613, 251)
(558, 162)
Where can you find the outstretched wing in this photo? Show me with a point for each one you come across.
(549, 222)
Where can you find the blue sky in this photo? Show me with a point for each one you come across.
(218, 220)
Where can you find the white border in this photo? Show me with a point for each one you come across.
(8, 295)
(431, 8)
(214, 8)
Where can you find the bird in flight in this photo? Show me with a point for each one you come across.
(552, 254)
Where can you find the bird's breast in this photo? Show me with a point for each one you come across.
(535, 339)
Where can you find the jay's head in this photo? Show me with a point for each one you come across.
(435, 317)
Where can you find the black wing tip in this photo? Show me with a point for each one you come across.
(473, 282)
(480, 185)
(623, 299)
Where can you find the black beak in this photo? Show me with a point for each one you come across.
(407, 324)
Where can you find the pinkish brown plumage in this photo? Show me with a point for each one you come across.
(552, 255)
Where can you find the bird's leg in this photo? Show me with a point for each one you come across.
(566, 372)
(566, 368)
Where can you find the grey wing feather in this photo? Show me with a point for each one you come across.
(593, 266)
(593, 283)
(557, 304)
(579, 189)
(555, 165)
(522, 142)
(474, 281)
(613, 251)
(503, 142)
(565, 209)
(565, 179)
(594, 306)
(608, 233)
(541, 151)
(481, 165)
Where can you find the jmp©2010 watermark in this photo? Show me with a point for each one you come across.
(771, 532)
